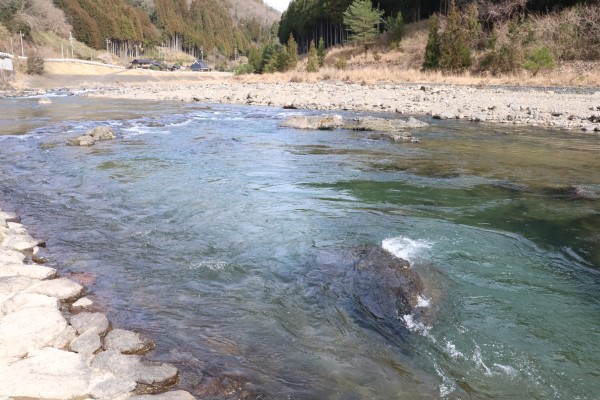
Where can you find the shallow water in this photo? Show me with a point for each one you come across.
(224, 237)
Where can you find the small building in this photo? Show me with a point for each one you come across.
(7, 69)
(200, 65)
(145, 64)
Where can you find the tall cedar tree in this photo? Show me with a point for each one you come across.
(362, 19)
(432, 50)
(292, 49)
(455, 54)
(321, 52)
(313, 59)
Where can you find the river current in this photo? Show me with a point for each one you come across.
(222, 236)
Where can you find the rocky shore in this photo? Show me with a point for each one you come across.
(563, 109)
(54, 344)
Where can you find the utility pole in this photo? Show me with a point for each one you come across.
(21, 34)
(107, 43)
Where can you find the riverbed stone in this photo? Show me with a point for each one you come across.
(9, 284)
(11, 256)
(33, 271)
(83, 140)
(82, 304)
(85, 321)
(174, 395)
(29, 329)
(127, 342)
(21, 301)
(313, 122)
(46, 374)
(113, 389)
(61, 288)
(65, 338)
(21, 242)
(100, 133)
(384, 124)
(134, 368)
(87, 343)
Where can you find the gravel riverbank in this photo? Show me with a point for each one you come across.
(575, 110)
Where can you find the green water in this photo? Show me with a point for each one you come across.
(224, 237)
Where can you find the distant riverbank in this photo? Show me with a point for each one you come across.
(577, 109)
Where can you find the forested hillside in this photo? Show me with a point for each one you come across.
(310, 20)
(132, 27)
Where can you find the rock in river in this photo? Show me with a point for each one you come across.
(324, 122)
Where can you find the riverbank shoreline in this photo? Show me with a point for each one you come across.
(527, 106)
(54, 344)
(576, 109)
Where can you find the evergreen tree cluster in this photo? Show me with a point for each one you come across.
(198, 27)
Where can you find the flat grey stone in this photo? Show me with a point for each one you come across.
(31, 270)
(132, 367)
(87, 343)
(82, 304)
(61, 288)
(127, 342)
(9, 284)
(85, 321)
(174, 395)
(313, 122)
(46, 374)
(20, 242)
(65, 338)
(113, 388)
(11, 256)
(29, 329)
(20, 301)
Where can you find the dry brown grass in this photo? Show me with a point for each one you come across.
(568, 74)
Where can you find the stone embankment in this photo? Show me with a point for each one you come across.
(564, 109)
(52, 343)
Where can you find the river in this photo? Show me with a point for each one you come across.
(222, 236)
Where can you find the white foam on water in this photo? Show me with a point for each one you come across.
(406, 248)
(211, 265)
(422, 302)
(416, 326)
(447, 386)
(478, 360)
(451, 350)
(507, 370)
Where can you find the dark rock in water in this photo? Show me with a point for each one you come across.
(383, 284)
(571, 192)
(376, 288)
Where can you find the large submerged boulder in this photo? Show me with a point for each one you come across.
(385, 285)
(92, 136)
(314, 122)
(384, 124)
(376, 288)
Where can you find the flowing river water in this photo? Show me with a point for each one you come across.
(223, 237)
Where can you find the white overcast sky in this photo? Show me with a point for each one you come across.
(280, 5)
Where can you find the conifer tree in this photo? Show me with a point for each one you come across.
(292, 49)
(455, 54)
(432, 50)
(362, 19)
(321, 52)
(313, 59)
